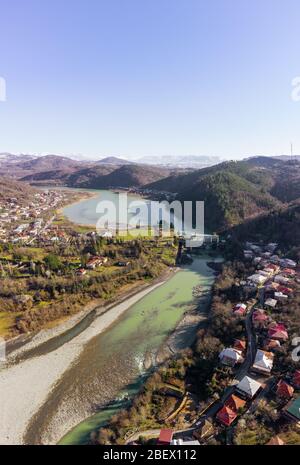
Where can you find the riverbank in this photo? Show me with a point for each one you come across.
(25, 386)
(19, 346)
(153, 403)
(80, 196)
(168, 318)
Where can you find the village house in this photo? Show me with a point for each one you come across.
(285, 290)
(259, 318)
(239, 309)
(95, 262)
(272, 345)
(292, 411)
(257, 279)
(248, 387)
(281, 279)
(287, 263)
(280, 296)
(235, 403)
(81, 272)
(277, 331)
(204, 430)
(248, 254)
(254, 247)
(296, 379)
(288, 272)
(263, 362)
(284, 390)
(226, 416)
(266, 255)
(165, 437)
(271, 287)
(231, 357)
(240, 345)
(273, 268)
(275, 259)
(182, 442)
(265, 272)
(271, 303)
(271, 247)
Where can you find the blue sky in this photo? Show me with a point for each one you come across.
(151, 77)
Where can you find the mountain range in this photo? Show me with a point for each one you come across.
(233, 191)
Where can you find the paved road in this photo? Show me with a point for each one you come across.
(250, 355)
(242, 371)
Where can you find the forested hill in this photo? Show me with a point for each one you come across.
(233, 191)
(236, 191)
(281, 226)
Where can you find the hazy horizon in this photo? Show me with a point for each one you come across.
(83, 157)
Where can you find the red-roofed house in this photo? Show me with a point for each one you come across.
(285, 290)
(259, 318)
(165, 437)
(81, 272)
(296, 379)
(95, 262)
(235, 403)
(272, 286)
(239, 344)
(284, 390)
(240, 309)
(226, 416)
(273, 267)
(289, 272)
(278, 331)
(271, 344)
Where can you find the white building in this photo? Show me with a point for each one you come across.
(230, 356)
(249, 387)
(263, 362)
(257, 279)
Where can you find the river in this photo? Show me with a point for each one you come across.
(113, 365)
(73, 383)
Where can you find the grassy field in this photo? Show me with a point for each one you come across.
(7, 321)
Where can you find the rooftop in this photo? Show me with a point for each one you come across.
(249, 386)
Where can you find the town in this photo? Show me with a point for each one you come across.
(46, 261)
(31, 222)
(260, 401)
(51, 267)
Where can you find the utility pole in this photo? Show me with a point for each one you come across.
(293, 158)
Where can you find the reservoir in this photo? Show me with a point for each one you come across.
(85, 212)
(137, 211)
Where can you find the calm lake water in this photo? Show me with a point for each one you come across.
(138, 211)
(114, 364)
(85, 212)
